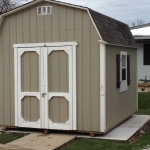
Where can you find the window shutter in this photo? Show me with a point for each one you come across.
(128, 69)
(118, 70)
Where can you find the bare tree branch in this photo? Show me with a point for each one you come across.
(7, 5)
(137, 22)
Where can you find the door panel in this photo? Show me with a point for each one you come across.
(30, 109)
(29, 95)
(58, 110)
(58, 72)
(59, 78)
(30, 72)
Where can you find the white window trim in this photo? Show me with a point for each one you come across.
(123, 85)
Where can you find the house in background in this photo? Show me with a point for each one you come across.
(65, 67)
(142, 37)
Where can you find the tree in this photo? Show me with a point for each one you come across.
(137, 22)
(7, 5)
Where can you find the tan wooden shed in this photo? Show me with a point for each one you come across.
(65, 67)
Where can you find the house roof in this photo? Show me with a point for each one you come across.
(109, 29)
(140, 26)
(141, 31)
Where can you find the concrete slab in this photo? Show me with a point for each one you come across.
(7, 147)
(125, 130)
(42, 141)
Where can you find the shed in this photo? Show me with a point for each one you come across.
(141, 35)
(65, 67)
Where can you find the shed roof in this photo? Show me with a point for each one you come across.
(111, 30)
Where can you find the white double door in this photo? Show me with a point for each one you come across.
(44, 100)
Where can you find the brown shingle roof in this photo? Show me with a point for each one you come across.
(113, 31)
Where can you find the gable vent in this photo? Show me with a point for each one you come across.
(43, 10)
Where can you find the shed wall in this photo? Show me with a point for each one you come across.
(65, 24)
(119, 105)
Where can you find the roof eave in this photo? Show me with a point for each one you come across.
(141, 37)
(122, 45)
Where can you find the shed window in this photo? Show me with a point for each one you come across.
(124, 67)
(123, 71)
(146, 54)
(43, 10)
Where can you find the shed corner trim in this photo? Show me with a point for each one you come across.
(102, 87)
(1, 20)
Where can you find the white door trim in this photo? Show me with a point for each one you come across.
(15, 84)
(45, 44)
(41, 51)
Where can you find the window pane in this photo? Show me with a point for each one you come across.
(123, 74)
(49, 10)
(39, 10)
(146, 54)
(123, 60)
(44, 10)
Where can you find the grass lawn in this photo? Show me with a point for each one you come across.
(95, 144)
(6, 138)
(144, 104)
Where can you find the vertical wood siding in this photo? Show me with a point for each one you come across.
(30, 72)
(30, 109)
(58, 72)
(58, 110)
(119, 105)
(65, 24)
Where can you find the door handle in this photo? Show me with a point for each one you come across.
(43, 94)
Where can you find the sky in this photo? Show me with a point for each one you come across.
(125, 11)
